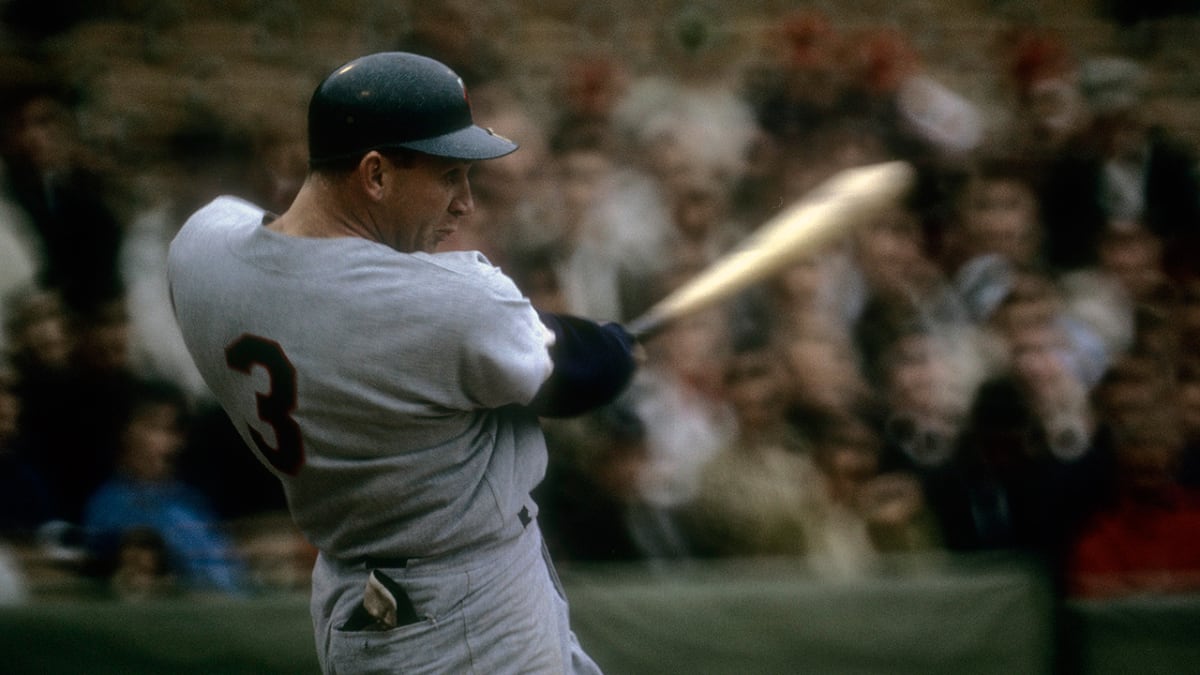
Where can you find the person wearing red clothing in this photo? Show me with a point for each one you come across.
(1148, 539)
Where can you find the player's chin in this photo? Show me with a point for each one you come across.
(443, 239)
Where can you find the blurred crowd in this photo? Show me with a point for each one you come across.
(1008, 361)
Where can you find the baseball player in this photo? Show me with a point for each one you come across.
(395, 390)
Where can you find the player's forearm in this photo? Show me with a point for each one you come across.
(593, 363)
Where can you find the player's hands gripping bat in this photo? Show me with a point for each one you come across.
(844, 201)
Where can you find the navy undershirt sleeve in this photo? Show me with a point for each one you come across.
(593, 363)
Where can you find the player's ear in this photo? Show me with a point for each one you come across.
(370, 174)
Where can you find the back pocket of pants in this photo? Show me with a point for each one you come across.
(432, 645)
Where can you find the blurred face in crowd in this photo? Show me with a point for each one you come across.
(754, 387)
(850, 460)
(800, 283)
(582, 176)
(1000, 216)
(1134, 385)
(914, 374)
(41, 134)
(507, 181)
(698, 206)
(891, 255)
(822, 371)
(1134, 259)
(1056, 108)
(1039, 353)
(1121, 134)
(695, 349)
(102, 343)
(43, 336)
(1147, 462)
(151, 441)
(850, 469)
(1032, 301)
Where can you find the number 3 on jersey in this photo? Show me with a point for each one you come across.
(275, 407)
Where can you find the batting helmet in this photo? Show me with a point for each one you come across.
(396, 100)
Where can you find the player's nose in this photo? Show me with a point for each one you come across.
(463, 203)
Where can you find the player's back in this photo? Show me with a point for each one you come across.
(383, 388)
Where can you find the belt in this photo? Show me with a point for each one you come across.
(400, 562)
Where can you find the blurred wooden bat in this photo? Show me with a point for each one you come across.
(843, 202)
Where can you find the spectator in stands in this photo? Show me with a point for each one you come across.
(796, 83)
(920, 119)
(591, 87)
(98, 386)
(65, 197)
(701, 226)
(892, 266)
(59, 417)
(1126, 173)
(142, 567)
(593, 506)
(999, 491)
(861, 513)
(1049, 107)
(812, 288)
(921, 387)
(572, 242)
(999, 214)
(1134, 259)
(1054, 372)
(1139, 380)
(824, 381)
(1145, 542)
(144, 492)
(692, 96)
(679, 396)
(756, 495)
(25, 499)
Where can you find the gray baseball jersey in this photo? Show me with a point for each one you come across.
(386, 390)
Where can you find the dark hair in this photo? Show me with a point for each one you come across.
(344, 165)
(146, 393)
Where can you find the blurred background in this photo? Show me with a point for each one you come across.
(965, 438)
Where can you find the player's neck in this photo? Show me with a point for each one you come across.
(317, 214)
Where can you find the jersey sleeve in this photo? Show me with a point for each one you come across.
(593, 363)
(505, 355)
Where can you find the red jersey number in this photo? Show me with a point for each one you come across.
(275, 407)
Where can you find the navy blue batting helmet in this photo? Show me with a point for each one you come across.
(397, 100)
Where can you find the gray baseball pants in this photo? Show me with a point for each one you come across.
(494, 611)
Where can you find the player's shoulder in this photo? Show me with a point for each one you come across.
(222, 213)
(227, 209)
(472, 269)
(459, 262)
(212, 223)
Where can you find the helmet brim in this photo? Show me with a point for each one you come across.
(470, 143)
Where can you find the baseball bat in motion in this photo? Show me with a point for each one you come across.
(844, 201)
